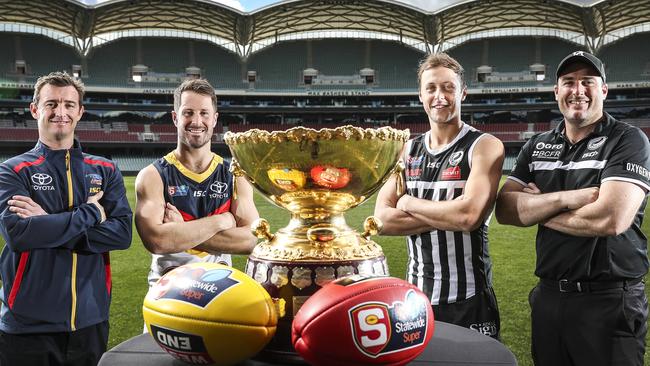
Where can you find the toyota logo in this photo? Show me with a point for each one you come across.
(218, 187)
(41, 179)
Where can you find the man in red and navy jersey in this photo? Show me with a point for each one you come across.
(186, 211)
(61, 212)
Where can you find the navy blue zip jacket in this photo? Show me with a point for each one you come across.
(55, 268)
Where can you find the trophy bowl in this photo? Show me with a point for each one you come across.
(317, 175)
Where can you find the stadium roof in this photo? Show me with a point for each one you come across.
(86, 26)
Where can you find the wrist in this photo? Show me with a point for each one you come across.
(221, 222)
(560, 200)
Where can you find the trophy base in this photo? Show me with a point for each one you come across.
(290, 284)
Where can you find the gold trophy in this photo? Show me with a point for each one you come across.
(317, 175)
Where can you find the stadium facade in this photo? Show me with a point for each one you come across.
(312, 63)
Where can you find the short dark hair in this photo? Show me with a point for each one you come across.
(60, 79)
(444, 60)
(198, 86)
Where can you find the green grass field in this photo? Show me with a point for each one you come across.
(512, 249)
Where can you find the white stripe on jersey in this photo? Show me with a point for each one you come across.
(418, 248)
(572, 165)
(469, 266)
(517, 180)
(450, 186)
(631, 180)
(437, 270)
(453, 271)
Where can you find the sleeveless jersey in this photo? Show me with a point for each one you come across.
(195, 196)
(448, 266)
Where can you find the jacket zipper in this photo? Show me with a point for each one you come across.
(73, 277)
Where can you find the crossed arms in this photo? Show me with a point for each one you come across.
(163, 229)
(407, 215)
(100, 225)
(605, 211)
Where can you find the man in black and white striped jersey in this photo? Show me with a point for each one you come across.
(584, 184)
(452, 175)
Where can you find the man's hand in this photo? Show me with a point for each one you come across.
(580, 197)
(573, 199)
(94, 200)
(172, 214)
(402, 202)
(25, 207)
(532, 189)
(228, 222)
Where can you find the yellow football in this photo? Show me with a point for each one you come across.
(205, 313)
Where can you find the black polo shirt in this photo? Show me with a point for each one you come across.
(614, 151)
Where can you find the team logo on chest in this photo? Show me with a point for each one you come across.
(597, 142)
(455, 158)
(593, 147)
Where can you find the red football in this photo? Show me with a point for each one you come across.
(361, 320)
(330, 177)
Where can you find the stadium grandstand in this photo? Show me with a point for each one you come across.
(317, 64)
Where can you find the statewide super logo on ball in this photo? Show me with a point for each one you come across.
(194, 285)
(379, 328)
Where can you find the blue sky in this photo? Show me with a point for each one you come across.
(250, 5)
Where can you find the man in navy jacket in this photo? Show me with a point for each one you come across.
(61, 212)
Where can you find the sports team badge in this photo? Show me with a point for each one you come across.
(95, 179)
(379, 328)
(178, 191)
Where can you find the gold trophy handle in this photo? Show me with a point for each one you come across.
(322, 233)
(371, 226)
(399, 178)
(261, 229)
(237, 172)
